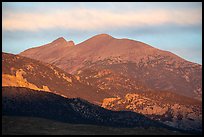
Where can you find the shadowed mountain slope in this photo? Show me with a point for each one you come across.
(18, 101)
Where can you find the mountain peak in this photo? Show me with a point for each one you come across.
(103, 35)
(59, 40)
(71, 43)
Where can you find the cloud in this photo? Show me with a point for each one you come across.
(93, 19)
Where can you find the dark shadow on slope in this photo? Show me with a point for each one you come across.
(18, 101)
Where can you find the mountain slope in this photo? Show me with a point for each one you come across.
(99, 47)
(18, 101)
(157, 69)
(167, 87)
(20, 71)
(169, 108)
(56, 48)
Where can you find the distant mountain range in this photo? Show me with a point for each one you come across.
(116, 74)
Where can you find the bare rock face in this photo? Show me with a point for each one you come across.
(184, 114)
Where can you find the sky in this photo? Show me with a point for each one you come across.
(171, 26)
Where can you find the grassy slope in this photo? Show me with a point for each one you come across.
(26, 125)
